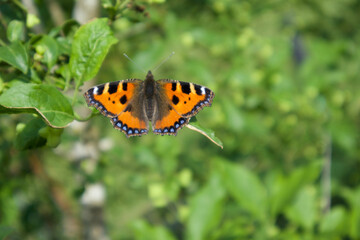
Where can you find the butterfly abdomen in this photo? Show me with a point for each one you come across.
(149, 92)
(149, 107)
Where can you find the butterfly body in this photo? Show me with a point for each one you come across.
(132, 103)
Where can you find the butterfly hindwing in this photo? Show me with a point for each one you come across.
(129, 124)
(169, 124)
(166, 121)
(186, 98)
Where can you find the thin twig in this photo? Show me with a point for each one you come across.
(326, 175)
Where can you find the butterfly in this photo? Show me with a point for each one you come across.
(132, 103)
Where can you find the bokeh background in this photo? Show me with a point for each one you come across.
(287, 105)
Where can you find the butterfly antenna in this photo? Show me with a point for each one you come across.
(171, 54)
(137, 65)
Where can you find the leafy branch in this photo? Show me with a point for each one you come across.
(44, 76)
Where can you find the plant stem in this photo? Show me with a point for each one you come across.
(326, 176)
(80, 119)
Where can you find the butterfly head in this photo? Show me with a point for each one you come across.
(149, 76)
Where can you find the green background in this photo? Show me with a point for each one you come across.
(286, 108)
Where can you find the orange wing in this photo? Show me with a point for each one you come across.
(130, 124)
(186, 98)
(117, 100)
(112, 98)
(168, 123)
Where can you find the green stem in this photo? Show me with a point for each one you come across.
(74, 97)
(80, 119)
(67, 83)
(77, 86)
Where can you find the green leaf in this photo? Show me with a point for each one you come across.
(50, 50)
(353, 198)
(157, 194)
(44, 100)
(246, 188)
(91, 43)
(69, 27)
(333, 221)
(64, 71)
(304, 209)
(144, 231)
(15, 55)
(64, 45)
(54, 32)
(205, 209)
(284, 189)
(15, 31)
(107, 3)
(355, 215)
(210, 134)
(31, 20)
(28, 136)
(52, 135)
(156, 1)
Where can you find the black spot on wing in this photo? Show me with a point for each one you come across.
(123, 99)
(113, 87)
(173, 86)
(175, 100)
(185, 87)
(124, 86)
(207, 91)
(100, 90)
(198, 89)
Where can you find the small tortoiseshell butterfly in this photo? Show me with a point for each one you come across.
(132, 103)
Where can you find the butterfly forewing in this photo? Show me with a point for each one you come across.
(112, 98)
(186, 98)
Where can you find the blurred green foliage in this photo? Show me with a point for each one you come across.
(287, 103)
